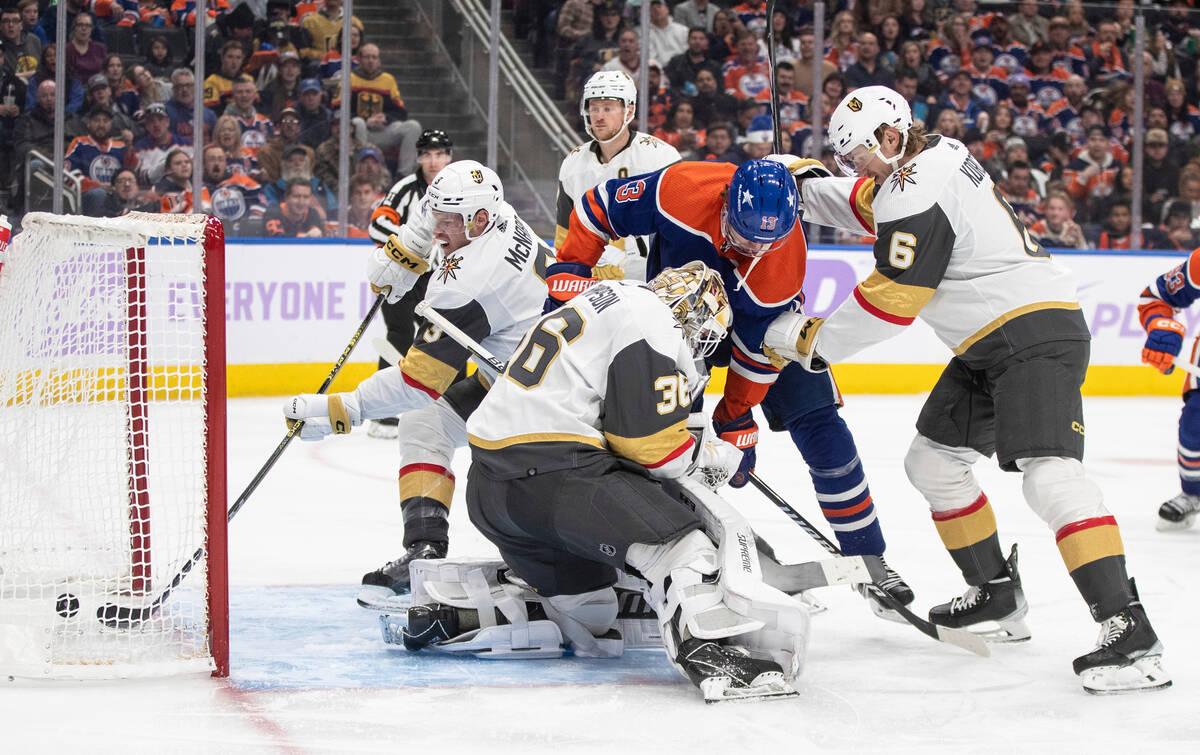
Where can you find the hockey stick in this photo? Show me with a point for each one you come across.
(126, 617)
(1186, 366)
(960, 637)
(775, 127)
(467, 342)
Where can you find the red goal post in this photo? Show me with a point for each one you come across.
(112, 445)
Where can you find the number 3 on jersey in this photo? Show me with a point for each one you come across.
(528, 366)
(675, 392)
(630, 191)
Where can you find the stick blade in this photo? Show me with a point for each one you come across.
(114, 616)
(964, 639)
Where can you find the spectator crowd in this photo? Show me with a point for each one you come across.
(1040, 92)
(271, 111)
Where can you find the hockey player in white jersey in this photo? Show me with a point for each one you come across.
(568, 452)
(491, 284)
(951, 251)
(615, 151)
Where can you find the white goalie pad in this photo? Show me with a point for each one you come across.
(477, 584)
(774, 625)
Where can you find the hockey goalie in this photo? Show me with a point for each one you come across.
(583, 466)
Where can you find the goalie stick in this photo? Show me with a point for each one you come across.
(960, 637)
(117, 616)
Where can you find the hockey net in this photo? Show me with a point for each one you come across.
(112, 446)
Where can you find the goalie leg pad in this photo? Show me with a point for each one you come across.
(509, 618)
(719, 592)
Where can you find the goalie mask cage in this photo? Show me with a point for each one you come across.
(112, 446)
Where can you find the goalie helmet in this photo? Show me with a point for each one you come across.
(857, 118)
(466, 187)
(608, 85)
(760, 208)
(696, 297)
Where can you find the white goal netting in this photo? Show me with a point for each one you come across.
(106, 447)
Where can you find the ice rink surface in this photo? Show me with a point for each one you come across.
(310, 672)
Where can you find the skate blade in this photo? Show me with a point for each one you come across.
(378, 598)
(1003, 632)
(1144, 674)
(884, 612)
(1166, 525)
(383, 432)
(768, 686)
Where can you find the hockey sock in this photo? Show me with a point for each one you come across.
(839, 480)
(425, 494)
(1095, 558)
(1189, 444)
(969, 534)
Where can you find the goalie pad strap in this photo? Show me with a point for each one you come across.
(338, 416)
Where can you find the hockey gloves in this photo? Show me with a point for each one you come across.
(741, 432)
(792, 337)
(393, 269)
(323, 415)
(1164, 339)
(564, 280)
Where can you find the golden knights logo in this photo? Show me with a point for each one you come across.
(854, 104)
(477, 176)
(904, 176)
(451, 265)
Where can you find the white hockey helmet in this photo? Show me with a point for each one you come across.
(466, 187)
(608, 85)
(696, 296)
(856, 120)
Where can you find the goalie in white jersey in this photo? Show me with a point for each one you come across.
(615, 151)
(951, 251)
(491, 284)
(568, 449)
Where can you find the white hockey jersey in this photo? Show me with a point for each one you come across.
(581, 170)
(950, 250)
(493, 289)
(607, 373)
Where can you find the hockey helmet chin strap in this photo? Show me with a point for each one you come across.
(894, 162)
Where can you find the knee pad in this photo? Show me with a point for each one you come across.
(942, 473)
(1059, 492)
(430, 434)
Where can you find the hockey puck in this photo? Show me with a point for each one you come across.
(67, 605)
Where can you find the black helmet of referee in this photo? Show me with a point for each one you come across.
(434, 138)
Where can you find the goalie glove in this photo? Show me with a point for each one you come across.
(323, 415)
(1164, 339)
(563, 281)
(792, 337)
(394, 268)
(741, 433)
(716, 460)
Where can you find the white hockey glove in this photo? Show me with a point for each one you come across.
(716, 460)
(323, 415)
(792, 337)
(802, 168)
(394, 268)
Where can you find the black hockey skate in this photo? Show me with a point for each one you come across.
(893, 584)
(386, 428)
(999, 605)
(382, 587)
(1178, 513)
(727, 672)
(1128, 655)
